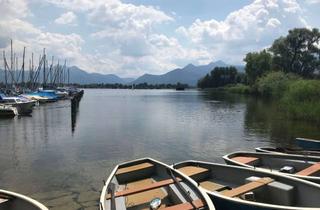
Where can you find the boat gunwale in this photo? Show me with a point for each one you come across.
(25, 198)
(264, 150)
(259, 204)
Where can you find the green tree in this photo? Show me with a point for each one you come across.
(219, 76)
(257, 64)
(298, 52)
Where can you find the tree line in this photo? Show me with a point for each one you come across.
(132, 86)
(297, 53)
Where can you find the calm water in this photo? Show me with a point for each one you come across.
(62, 160)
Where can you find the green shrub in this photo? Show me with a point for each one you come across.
(274, 84)
(302, 100)
(239, 88)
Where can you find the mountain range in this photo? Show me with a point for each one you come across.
(189, 74)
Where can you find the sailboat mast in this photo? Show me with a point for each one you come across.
(22, 76)
(5, 69)
(44, 67)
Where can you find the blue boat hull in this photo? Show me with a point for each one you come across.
(309, 144)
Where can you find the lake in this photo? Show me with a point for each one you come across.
(61, 159)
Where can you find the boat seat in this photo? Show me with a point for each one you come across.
(309, 170)
(248, 187)
(186, 206)
(143, 188)
(212, 186)
(143, 198)
(246, 160)
(135, 172)
(195, 172)
(137, 167)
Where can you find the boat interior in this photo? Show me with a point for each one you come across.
(250, 185)
(144, 183)
(291, 164)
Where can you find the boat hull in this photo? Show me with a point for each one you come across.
(309, 144)
(24, 108)
(275, 150)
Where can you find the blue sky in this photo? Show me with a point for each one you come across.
(133, 37)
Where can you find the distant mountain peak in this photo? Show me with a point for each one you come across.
(218, 63)
(190, 65)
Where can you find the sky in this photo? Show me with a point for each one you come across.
(132, 37)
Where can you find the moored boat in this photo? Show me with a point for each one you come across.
(239, 188)
(7, 111)
(23, 105)
(299, 166)
(283, 150)
(15, 201)
(149, 184)
(310, 144)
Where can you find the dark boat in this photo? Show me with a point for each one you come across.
(309, 144)
(149, 184)
(239, 188)
(283, 150)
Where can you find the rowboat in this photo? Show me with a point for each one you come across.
(7, 111)
(310, 144)
(234, 187)
(14, 201)
(149, 184)
(299, 166)
(283, 150)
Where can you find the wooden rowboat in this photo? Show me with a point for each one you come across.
(149, 184)
(304, 167)
(283, 150)
(239, 188)
(14, 201)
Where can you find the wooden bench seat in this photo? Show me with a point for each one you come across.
(144, 188)
(248, 187)
(192, 170)
(310, 170)
(134, 168)
(212, 186)
(143, 198)
(244, 159)
(186, 206)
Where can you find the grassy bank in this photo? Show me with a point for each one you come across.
(302, 100)
(298, 98)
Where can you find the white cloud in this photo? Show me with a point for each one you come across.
(66, 18)
(313, 1)
(13, 8)
(125, 39)
(250, 28)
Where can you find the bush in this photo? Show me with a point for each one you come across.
(274, 84)
(239, 88)
(302, 100)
